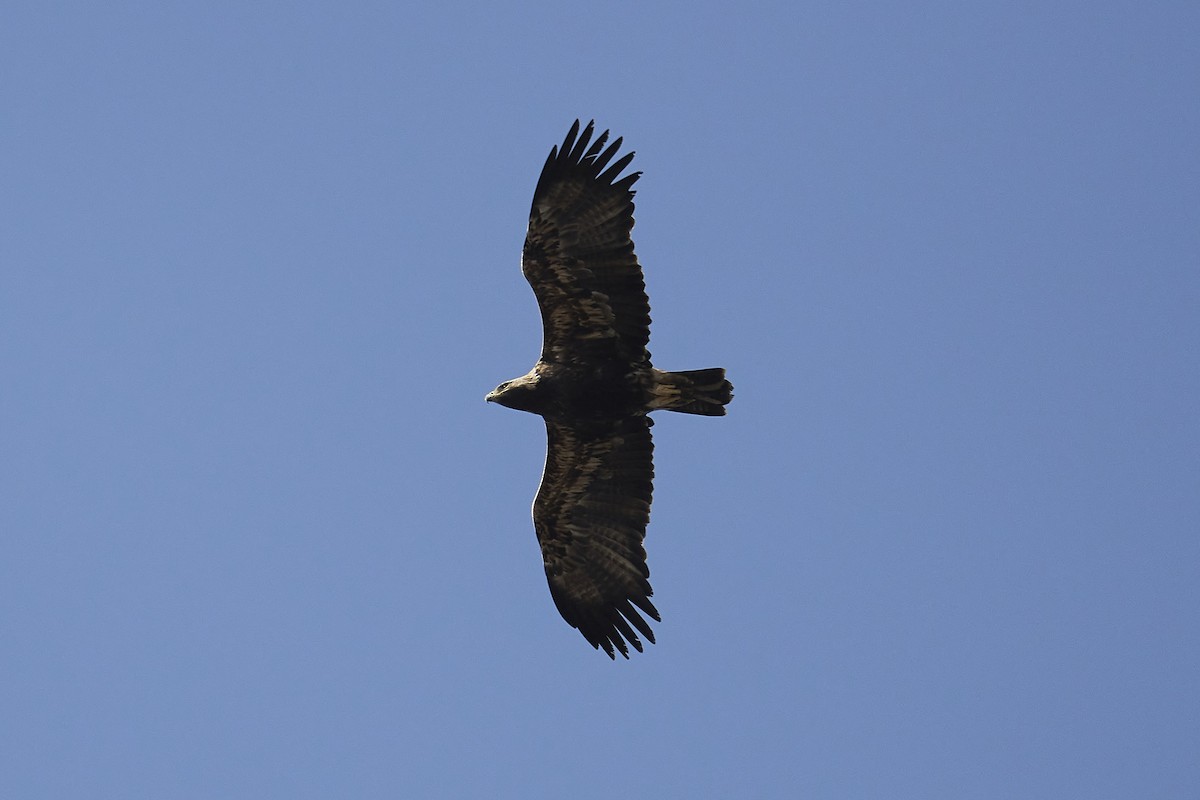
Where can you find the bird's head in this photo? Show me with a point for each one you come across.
(519, 393)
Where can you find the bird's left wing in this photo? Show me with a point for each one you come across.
(579, 258)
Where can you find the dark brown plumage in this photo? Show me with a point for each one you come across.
(594, 385)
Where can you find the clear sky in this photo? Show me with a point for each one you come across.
(260, 535)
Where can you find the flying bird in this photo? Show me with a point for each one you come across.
(594, 385)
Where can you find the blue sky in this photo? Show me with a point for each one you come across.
(260, 536)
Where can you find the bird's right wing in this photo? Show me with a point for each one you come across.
(590, 516)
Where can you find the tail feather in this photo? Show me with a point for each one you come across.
(697, 391)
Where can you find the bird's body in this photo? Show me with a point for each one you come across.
(578, 392)
(594, 385)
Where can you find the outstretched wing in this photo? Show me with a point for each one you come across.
(590, 516)
(579, 258)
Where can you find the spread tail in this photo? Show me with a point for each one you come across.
(697, 391)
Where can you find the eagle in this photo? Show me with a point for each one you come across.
(594, 386)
